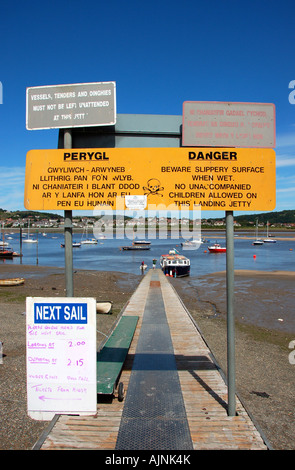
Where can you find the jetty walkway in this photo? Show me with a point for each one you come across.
(175, 396)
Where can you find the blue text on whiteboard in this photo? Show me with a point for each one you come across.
(60, 313)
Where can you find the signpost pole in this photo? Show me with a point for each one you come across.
(230, 313)
(68, 231)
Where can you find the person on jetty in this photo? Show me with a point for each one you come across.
(142, 267)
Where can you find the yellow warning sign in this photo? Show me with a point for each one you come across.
(172, 178)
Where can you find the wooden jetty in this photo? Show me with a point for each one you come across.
(203, 389)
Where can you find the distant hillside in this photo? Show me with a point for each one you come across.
(23, 214)
(35, 215)
(281, 217)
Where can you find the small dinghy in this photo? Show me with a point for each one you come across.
(12, 282)
(104, 306)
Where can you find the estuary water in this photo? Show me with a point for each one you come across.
(107, 254)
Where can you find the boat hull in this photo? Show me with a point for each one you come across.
(217, 248)
(138, 245)
(90, 241)
(174, 265)
(104, 307)
(74, 245)
(11, 282)
(6, 254)
(136, 248)
(177, 271)
(192, 243)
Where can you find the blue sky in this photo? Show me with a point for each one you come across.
(160, 53)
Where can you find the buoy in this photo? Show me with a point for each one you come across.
(254, 256)
(205, 251)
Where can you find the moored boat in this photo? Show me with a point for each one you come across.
(268, 238)
(6, 253)
(74, 245)
(175, 265)
(30, 240)
(217, 248)
(12, 282)
(138, 245)
(192, 244)
(104, 306)
(89, 241)
(258, 241)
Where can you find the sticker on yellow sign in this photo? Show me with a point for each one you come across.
(174, 178)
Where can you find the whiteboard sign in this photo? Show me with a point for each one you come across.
(61, 356)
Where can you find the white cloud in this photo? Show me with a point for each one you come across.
(285, 160)
(285, 140)
(285, 150)
(12, 175)
(286, 190)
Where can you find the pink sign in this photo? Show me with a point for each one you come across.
(223, 124)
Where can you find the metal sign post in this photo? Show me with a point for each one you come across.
(68, 231)
(230, 313)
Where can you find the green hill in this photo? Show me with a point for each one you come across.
(281, 217)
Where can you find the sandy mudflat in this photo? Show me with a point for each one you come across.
(264, 328)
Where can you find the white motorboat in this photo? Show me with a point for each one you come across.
(192, 244)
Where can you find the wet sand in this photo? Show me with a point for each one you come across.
(275, 291)
(264, 328)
